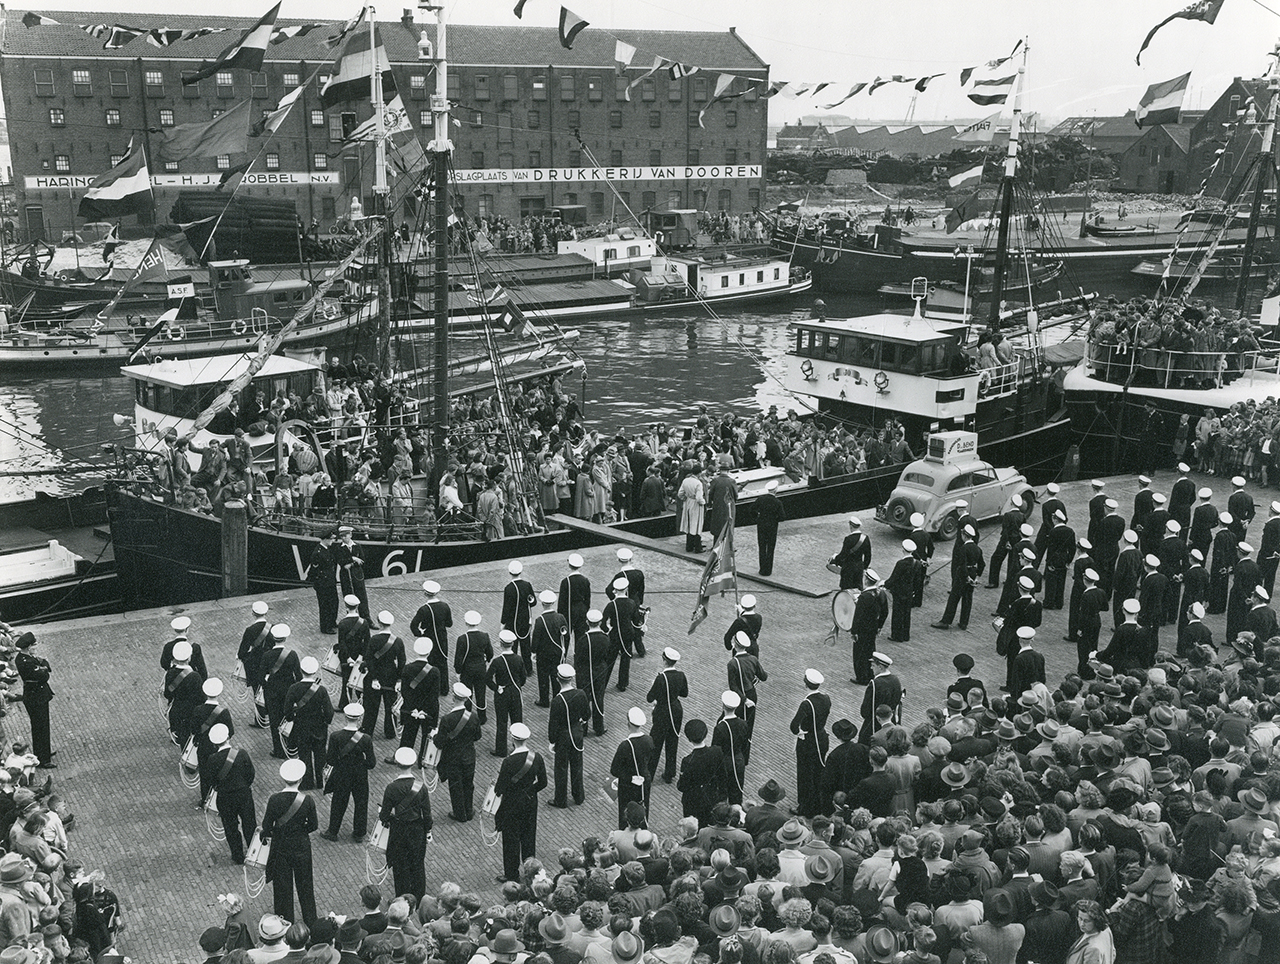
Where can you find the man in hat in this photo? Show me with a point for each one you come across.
(253, 643)
(769, 512)
(1025, 611)
(1261, 620)
(456, 739)
(592, 666)
(228, 771)
(322, 573)
(383, 663)
(885, 689)
(966, 568)
(1225, 554)
(550, 644)
(847, 763)
(1269, 548)
(1128, 647)
(1151, 595)
(183, 688)
(633, 765)
(669, 687)
(1204, 519)
(1244, 580)
(1093, 603)
(1107, 545)
(1059, 550)
(353, 640)
(766, 816)
(419, 697)
(575, 597)
(351, 568)
(1172, 553)
(744, 671)
(1028, 665)
(433, 620)
(809, 724)
(854, 557)
(287, 823)
(1240, 505)
(522, 776)
(703, 775)
(406, 813)
(923, 552)
(621, 623)
(1143, 504)
(1127, 574)
(181, 626)
(633, 576)
(280, 670)
(471, 656)
(309, 711)
(730, 736)
(869, 615)
(748, 621)
(204, 718)
(626, 948)
(517, 611)
(349, 757)
(1010, 534)
(901, 585)
(505, 677)
(566, 732)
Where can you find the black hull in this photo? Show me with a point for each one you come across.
(1105, 426)
(95, 594)
(49, 293)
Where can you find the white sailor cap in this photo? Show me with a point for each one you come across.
(1159, 498)
(1152, 560)
(1205, 493)
(1275, 508)
(1238, 481)
(423, 645)
(575, 561)
(881, 658)
(472, 618)
(461, 690)
(1132, 606)
(1226, 518)
(1197, 610)
(1174, 526)
(620, 584)
(1026, 632)
(565, 671)
(280, 631)
(908, 545)
(1026, 582)
(971, 531)
(1261, 593)
(519, 731)
(1084, 543)
(1059, 515)
(547, 597)
(917, 519)
(636, 717)
(624, 554)
(506, 636)
(353, 711)
(962, 503)
(385, 618)
(671, 654)
(292, 771)
(431, 587)
(872, 577)
(748, 602)
(180, 624)
(1052, 488)
(813, 677)
(1244, 548)
(730, 700)
(1026, 530)
(741, 639)
(219, 734)
(771, 485)
(594, 616)
(181, 651)
(260, 608)
(515, 567)
(1092, 575)
(405, 757)
(1097, 483)
(1197, 555)
(212, 687)
(309, 666)
(1130, 537)
(854, 520)
(353, 602)
(1144, 480)
(1184, 468)
(1028, 553)
(1112, 504)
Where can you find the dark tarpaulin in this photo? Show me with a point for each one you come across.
(1065, 354)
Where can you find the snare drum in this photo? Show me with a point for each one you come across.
(842, 607)
(258, 853)
(378, 839)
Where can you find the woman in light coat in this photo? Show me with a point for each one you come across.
(692, 498)
(1095, 944)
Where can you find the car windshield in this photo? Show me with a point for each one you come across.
(920, 479)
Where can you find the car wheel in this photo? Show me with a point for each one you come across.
(898, 512)
(949, 526)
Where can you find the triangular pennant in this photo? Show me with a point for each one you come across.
(570, 26)
(623, 54)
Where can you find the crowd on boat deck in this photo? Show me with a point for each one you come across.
(540, 233)
(1176, 345)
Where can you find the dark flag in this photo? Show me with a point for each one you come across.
(964, 211)
(570, 26)
(1206, 10)
(245, 54)
(1162, 103)
(30, 20)
(720, 570)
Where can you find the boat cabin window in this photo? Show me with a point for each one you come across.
(633, 251)
(190, 401)
(611, 254)
(920, 478)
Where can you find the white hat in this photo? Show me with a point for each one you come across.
(1097, 483)
(970, 531)
(472, 618)
(1197, 555)
(575, 561)
(1131, 606)
(1112, 504)
(292, 771)
(461, 690)
(422, 646)
(881, 658)
(771, 485)
(212, 687)
(343, 529)
(1244, 547)
(813, 677)
(1059, 515)
(1026, 632)
(405, 757)
(1026, 530)
(1152, 560)
(1184, 468)
(635, 716)
(431, 587)
(854, 520)
(1052, 488)
(280, 631)
(260, 608)
(515, 567)
(671, 654)
(624, 554)
(547, 597)
(1144, 480)
(1159, 498)
(748, 602)
(519, 731)
(353, 711)
(1238, 481)
(1174, 526)
(1205, 493)
(741, 639)
(1130, 537)
(219, 734)
(1261, 592)
(730, 700)
(1197, 610)
(180, 624)
(565, 671)
(908, 545)
(872, 576)
(1092, 575)
(309, 665)
(353, 602)
(506, 636)
(1085, 544)
(1026, 582)
(594, 616)
(917, 519)
(385, 618)
(620, 584)
(181, 651)
(1028, 553)
(1226, 518)
(962, 503)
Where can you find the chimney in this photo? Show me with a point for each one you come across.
(406, 18)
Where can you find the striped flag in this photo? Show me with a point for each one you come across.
(1204, 10)
(965, 177)
(720, 571)
(993, 91)
(245, 54)
(570, 26)
(1162, 103)
(353, 74)
(123, 190)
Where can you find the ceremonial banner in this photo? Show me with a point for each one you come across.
(1205, 10)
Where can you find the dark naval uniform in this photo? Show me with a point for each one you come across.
(322, 573)
(229, 771)
(204, 718)
(253, 644)
(433, 620)
(669, 687)
(966, 568)
(633, 767)
(1060, 549)
(869, 614)
(419, 703)
(349, 756)
(280, 667)
(1083, 562)
(886, 690)
(592, 664)
(625, 641)
(731, 738)
(471, 657)
(635, 584)
(812, 742)
(769, 512)
(456, 737)
(288, 822)
(406, 813)
(505, 676)
(575, 602)
(1269, 552)
(197, 656)
(550, 648)
(853, 559)
(183, 689)
(703, 782)
(522, 776)
(307, 705)
(746, 622)
(744, 671)
(353, 641)
(1246, 578)
(517, 606)
(383, 663)
(566, 731)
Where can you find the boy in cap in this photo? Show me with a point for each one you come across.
(963, 664)
(1261, 620)
(433, 620)
(748, 621)
(1151, 593)
(419, 697)
(1195, 585)
(1182, 496)
(383, 663)
(621, 623)
(1083, 562)
(854, 557)
(669, 687)
(204, 718)
(769, 512)
(349, 757)
(1194, 632)
(472, 654)
(517, 611)
(522, 776)
(1128, 646)
(353, 639)
(287, 823)
(505, 676)
(575, 597)
(1143, 504)
(809, 724)
(456, 738)
(308, 708)
(633, 765)
(1023, 611)
(229, 771)
(550, 644)
(966, 567)
(183, 688)
(566, 732)
(923, 552)
(1172, 553)
(744, 670)
(731, 738)
(1240, 505)
(703, 775)
(406, 813)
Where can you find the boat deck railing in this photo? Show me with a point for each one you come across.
(1174, 369)
(1001, 380)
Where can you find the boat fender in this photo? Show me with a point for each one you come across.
(806, 369)
(882, 382)
(176, 334)
(238, 327)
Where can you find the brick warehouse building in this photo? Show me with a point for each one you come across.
(518, 97)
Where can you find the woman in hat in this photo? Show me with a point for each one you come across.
(998, 936)
(1095, 944)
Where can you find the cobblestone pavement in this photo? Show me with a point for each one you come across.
(138, 823)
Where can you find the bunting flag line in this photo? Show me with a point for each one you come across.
(167, 37)
(679, 71)
(335, 41)
(895, 79)
(123, 190)
(118, 35)
(174, 238)
(30, 20)
(658, 64)
(281, 34)
(511, 318)
(353, 73)
(245, 54)
(853, 91)
(998, 92)
(570, 26)
(622, 54)
(924, 82)
(228, 133)
(1162, 102)
(722, 85)
(1204, 10)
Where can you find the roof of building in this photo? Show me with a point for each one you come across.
(802, 130)
(898, 140)
(469, 44)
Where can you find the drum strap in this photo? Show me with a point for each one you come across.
(386, 647)
(460, 726)
(306, 698)
(422, 674)
(227, 764)
(261, 637)
(292, 811)
(351, 744)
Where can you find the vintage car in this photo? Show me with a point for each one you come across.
(949, 473)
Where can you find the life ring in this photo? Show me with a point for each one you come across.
(806, 369)
(330, 311)
(176, 334)
(882, 381)
(238, 327)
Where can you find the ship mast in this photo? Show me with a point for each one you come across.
(1265, 174)
(1006, 198)
(440, 148)
(382, 221)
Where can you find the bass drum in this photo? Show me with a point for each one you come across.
(842, 606)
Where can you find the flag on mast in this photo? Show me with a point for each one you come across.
(150, 268)
(1205, 10)
(123, 190)
(1162, 103)
(720, 571)
(353, 74)
(245, 54)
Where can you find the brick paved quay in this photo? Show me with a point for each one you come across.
(139, 824)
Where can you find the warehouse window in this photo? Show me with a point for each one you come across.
(290, 79)
(113, 117)
(725, 199)
(317, 118)
(694, 156)
(575, 158)
(621, 83)
(57, 117)
(335, 127)
(731, 155)
(648, 89)
(540, 88)
(655, 118)
(615, 118)
(44, 82)
(675, 90)
(647, 200)
(510, 87)
(574, 119)
(506, 161)
(731, 118)
(454, 90)
(81, 84)
(62, 162)
(615, 158)
(477, 160)
(273, 161)
(425, 119)
(223, 81)
(753, 197)
(190, 91)
(417, 86)
(535, 158)
(476, 117)
(482, 86)
(699, 88)
(595, 89)
(692, 120)
(154, 80)
(119, 82)
(223, 162)
(505, 125)
(567, 88)
(258, 83)
(597, 204)
(534, 120)
(655, 158)
(171, 167)
(319, 161)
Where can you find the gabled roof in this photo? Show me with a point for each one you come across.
(802, 130)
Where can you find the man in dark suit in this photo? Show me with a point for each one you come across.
(253, 643)
(1204, 519)
(704, 776)
(875, 791)
(383, 663)
(885, 689)
(1049, 932)
(505, 677)
(280, 671)
(349, 757)
(566, 732)
(456, 739)
(633, 766)
(1172, 553)
(1060, 549)
(419, 697)
(472, 652)
(229, 771)
(308, 709)
(854, 557)
(1269, 549)
(433, 620)
(747, 621)
(181, 626)
(287, 823)
(769, 512)
(1049, 509)
(847, 763)
(620, 623)
(869, 615)
(522, 776)
(353, 640)
(1143, 503)
(1246, 577)
(1097, 509)
(406, 813)
(322, 573)
(633, 576)
(1126, 576)
(766, 816)
(1028, 665)
(966, 568)
(1093, 602)
(517, 611)
(901, 585)
(575, 597)
(550, 645)
(809, 724)
(669, 687)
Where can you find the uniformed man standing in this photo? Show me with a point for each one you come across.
(575, 598)
(1083, 563)
(280, 671)
(1107, 546)
(1049, 509)
(349, 757)
(322, 573)
(902, 586)
(1204, 519)
(1093, 602)
(1153, 528)
(854, 557)
(287, 824)
(471, 655)
(517, 609)
(1026, 610)
(308, 708)
(183, 688)
(1010, 533)
(1028, 665)
(1240, 505)
(1172, 553)
(966, 568)
(456, 738)
(633, 576)
(1181, 498)
(550, 644)
(769, 512)
(353, 640)
(36, 695)
(810, 728)
(591, 663)
(204, 718)
(433, 620)
(885, 689)
(253, 644)
(744, 672)
(522, 776)
(228, 770)
(181, 626)
(669, 687)
(1269, 550)
(747, 621)
(923, 540)
(1195, 586)
(619, 623)
(419, 697)
(383, 664)
(633, 765)
(1246, 577)
(1060, 549)
(730, 735)
(1222, 562)
(869, 615)
(505, 677)
(406, 813)
(703, 774)
(566, 732)
(1143, 504)
(1097, 510)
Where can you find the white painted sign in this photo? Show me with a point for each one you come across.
(67, 182)
(584, 175)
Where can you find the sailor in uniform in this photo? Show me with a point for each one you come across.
(592, 663)
(812, 743)
(349, 758)
(633, 766)
(748, 621)
(204, 718)
(353, 639)
(505, 676)
(885, 689)
(419, 697)
(522, 776)
(566, 732)
(287, 823)
(228, 770)
(575, 598)
(730, 735)
(550, 644)
(406, 813)
(669, 687)
(280, 671)
(308, 708)
(183, 688)
(181, 626)
(456, 738)
(619, 623)
(517, 606)
(633, 576)
(471, 655)
(433, 620)
(253, 643)
(854, 556)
